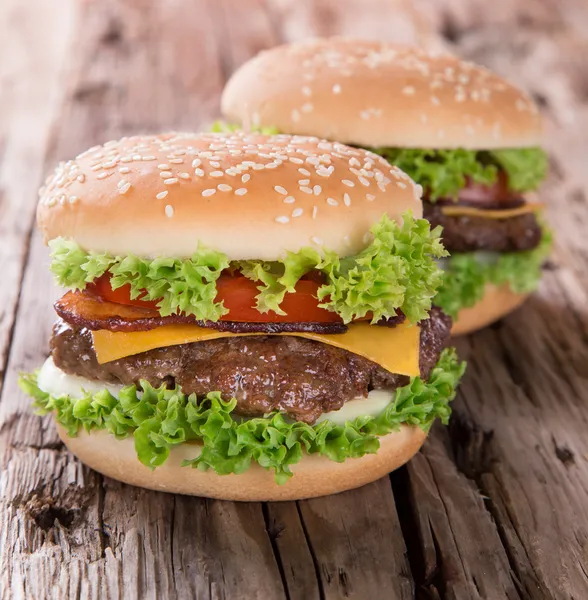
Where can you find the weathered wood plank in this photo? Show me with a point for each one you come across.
(34, 49)
(357, 543)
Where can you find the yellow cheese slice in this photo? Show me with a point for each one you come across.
(507, 213)
(394, 348)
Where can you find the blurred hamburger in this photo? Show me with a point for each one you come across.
(245, 320)
(467, 136)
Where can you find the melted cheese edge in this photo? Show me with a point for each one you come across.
(471, 211)
(396, 349)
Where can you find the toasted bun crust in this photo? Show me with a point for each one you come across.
(373, 93)
(496, 303)
(313, 475)
(247, 195)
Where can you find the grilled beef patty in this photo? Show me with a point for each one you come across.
(300, 377)
(469, 234)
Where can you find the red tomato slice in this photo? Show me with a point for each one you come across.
(238, 294)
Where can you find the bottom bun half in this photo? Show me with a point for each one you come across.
(496, 303)
(313, 476)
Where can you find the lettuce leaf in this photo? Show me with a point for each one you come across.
(224, 127)
(187, 285)
(160, 418)
(397, 270)
(442, 173)
(466, 275)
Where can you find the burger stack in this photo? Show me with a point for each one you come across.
(245, 316)
(470, 138)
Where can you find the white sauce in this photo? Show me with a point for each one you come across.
(57, 383)
(373, 405)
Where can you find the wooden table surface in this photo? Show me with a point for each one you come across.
(495, 506)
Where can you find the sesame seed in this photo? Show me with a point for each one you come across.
(370, 197)
(306, 91)
(316, 240)
(74, 199)
(424, 118)
(297, 212)
(245, 178)
(306, 190)
(164, 167)
(169, 211)
(208, 192)
(314, 211)
(307, 107)
(126, 159)
(149, 158)
(122, 170)
(281, 190)
(176, 161)
(282, 219)
(317, 189)
(303, 181)
(401, 184)
(81, 178)
(96, 167)
(304, 171)
(195, 163)
(346, 199)
(165, 174)
(336, 89)
(137, 157)
(408, 90)
(295, 116)
(109, 165)
(289, 199)
(223, 187)
(332, 202)
(364, 180)
(104, 175)
(216, 173)
(162, 195)
(241, 191)
(348, 183)
(213, 163)
(198, 172)
(295, 160)
(184, 175)
(170, 181)
(435, 100)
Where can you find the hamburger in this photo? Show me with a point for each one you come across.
(470, 138)
(243, 319)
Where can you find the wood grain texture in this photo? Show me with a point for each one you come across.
(495, 506)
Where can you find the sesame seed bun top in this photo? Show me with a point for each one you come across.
(376, 94)
(250, 196)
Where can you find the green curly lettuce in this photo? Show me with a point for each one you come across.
(397, 270)
(186, 285)
(224, 127)
(466, 275)
(442, 173)
(160, 418)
